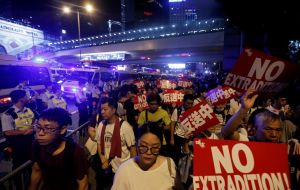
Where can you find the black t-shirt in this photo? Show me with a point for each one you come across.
(61, 172)
(131, 113)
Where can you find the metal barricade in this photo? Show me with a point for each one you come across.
(78, 135)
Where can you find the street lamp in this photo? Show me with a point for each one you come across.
(89, 8)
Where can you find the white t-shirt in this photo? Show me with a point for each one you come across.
(127, 140)
(131, 177)
(179, 129)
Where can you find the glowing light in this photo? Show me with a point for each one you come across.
(74, 89)
(59, 82)
(175, 1)
(66, 10)
(38, 60)
(176, 65)
(121, 67)
(89, 8)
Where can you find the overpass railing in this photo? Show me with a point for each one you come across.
(203, 26)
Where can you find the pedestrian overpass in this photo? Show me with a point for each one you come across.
(194, 42)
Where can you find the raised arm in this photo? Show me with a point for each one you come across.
(229, 131)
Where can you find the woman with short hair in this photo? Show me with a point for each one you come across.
(148, 170)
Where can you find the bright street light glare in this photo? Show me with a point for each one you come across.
(66, 10)
(89, 8)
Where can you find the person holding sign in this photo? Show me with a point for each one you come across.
(179, 135)
(156, 118)
(268, 127)
(148, 170)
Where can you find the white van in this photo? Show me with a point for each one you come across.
(12, 72)
(72, 79)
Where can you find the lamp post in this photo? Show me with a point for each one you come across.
(89, 8)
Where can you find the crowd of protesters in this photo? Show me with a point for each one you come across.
(147, 147)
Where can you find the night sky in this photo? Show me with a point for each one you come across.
(48, 14)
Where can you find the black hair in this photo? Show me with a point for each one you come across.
(267, 116)
(251, 119)
(188, 97)
(145, 129)
(111, 102)
(16, 95)
(59, 115)
(153, 97)
(122, 94)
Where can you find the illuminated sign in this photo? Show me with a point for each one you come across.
(176, 65)
(16, 38)
(118, 55)
(175, 1)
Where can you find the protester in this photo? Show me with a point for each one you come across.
(157, 118)
(57, 163)
(116, 143)
(148, 170)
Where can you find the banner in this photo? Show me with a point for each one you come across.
(173, 97)
(220, 96)
(140, 84)
(140, 101)
(166, 84)
(198, 118)
(16, 38)
(262, 72)
(227, 165)
(185, 83)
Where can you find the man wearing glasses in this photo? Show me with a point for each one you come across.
(59, 163)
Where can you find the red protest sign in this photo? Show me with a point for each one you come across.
(140, 84)
(166, 84)
(185, 83)
(140, 101)
(198, 118)
(222, 165)
(260, 71)
(220, 96)
(173, 97)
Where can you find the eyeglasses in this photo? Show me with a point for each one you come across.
(38, 129)
(144, 149)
